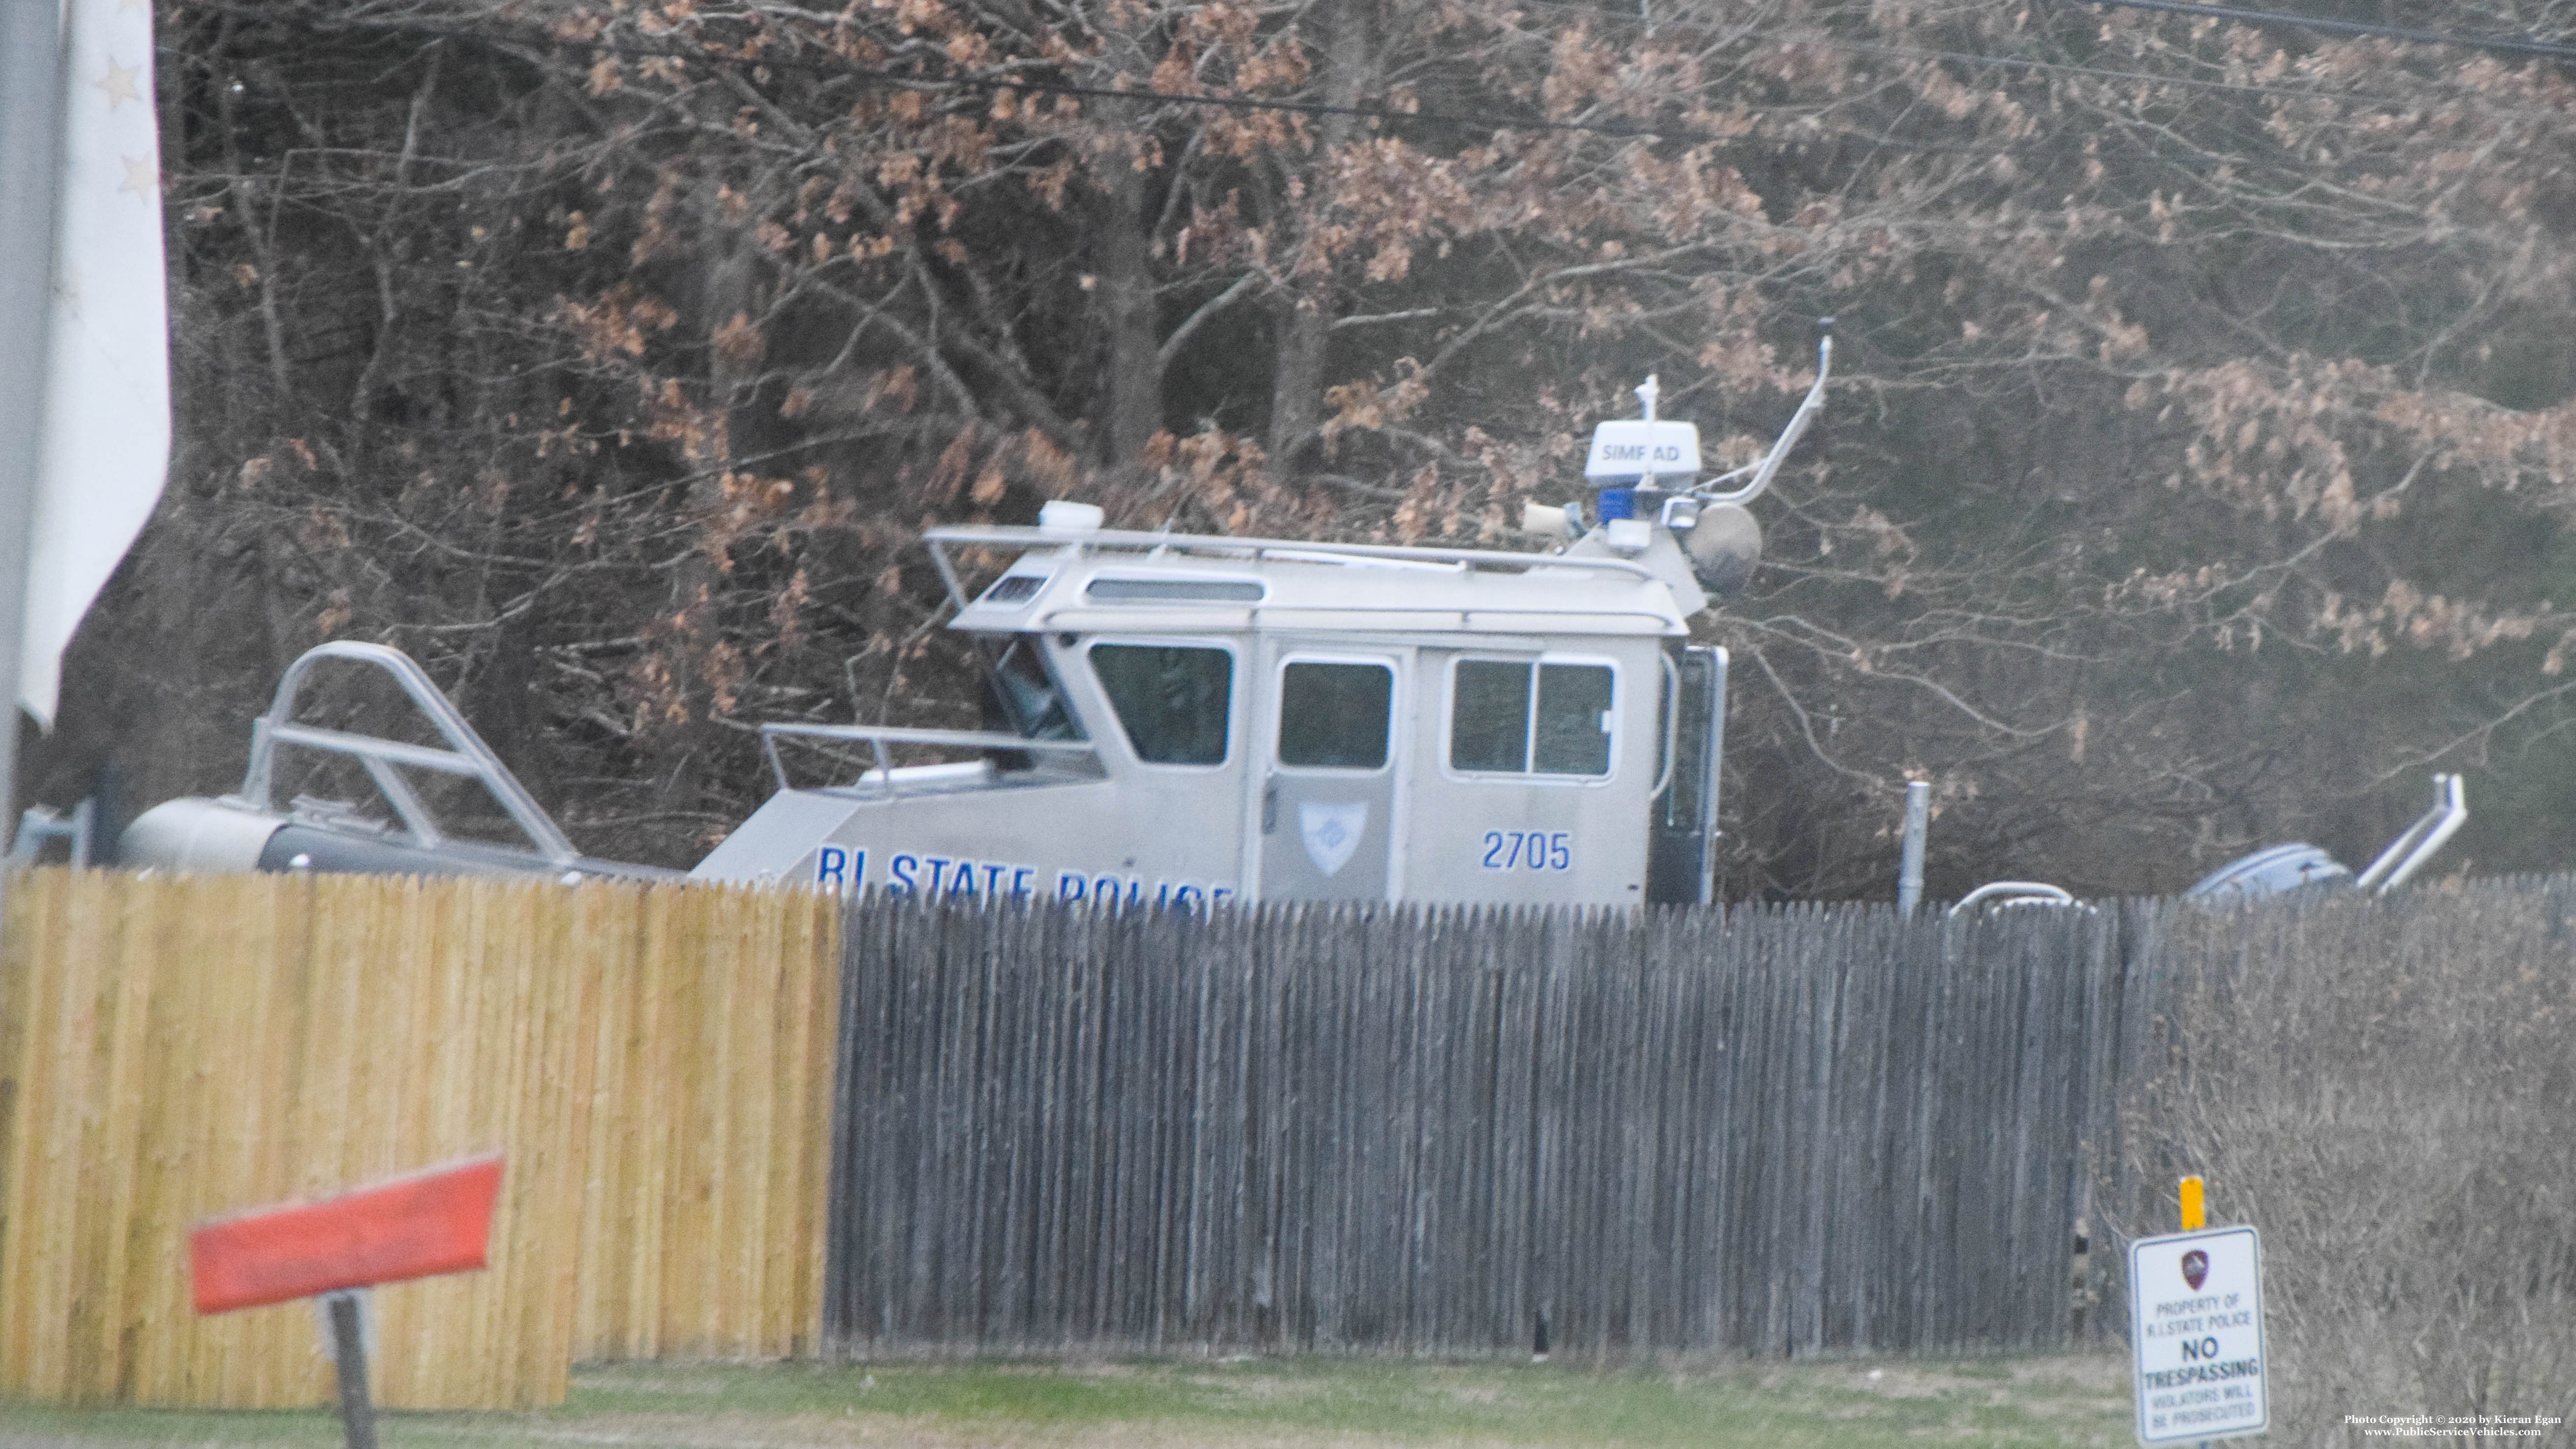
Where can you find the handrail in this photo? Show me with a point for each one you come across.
(1762, 472)
(2412, 848)
(879, 736)
(467, 755)
(1672, 724)
(1252, 614)
(1261, 548)
(1713, 763)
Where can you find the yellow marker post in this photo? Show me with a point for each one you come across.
(2195, 1216)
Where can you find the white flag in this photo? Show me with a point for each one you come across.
(107, 400)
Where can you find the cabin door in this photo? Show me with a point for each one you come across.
(1330, 748)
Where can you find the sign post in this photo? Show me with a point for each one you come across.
(2196, 1330)
(427, 1223)
(349, 1358)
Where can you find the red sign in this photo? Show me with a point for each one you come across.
(438, 1220)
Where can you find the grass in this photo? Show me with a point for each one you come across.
(1273, 1404)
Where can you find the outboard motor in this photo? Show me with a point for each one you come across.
(2275, 870)
(2281, 869)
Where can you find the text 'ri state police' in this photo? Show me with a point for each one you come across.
(914, 874)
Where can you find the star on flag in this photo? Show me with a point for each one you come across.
(119, 84)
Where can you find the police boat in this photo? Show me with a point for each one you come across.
(1185, 720)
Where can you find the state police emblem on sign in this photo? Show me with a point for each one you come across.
(1331, 832)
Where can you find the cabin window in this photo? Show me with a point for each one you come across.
(1520, 717)
(1014, 589)
(1334, 716)
(1173, 700)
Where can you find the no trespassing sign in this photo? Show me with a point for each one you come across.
(2196, 1328)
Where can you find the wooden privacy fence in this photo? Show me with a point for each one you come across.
(1757, 1130)
(653, 1061)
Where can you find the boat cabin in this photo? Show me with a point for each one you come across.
(1179, 720)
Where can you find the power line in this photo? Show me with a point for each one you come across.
(1474, 121)
(1964, 57)
(976, 84)
(2060, 67)
(1488, 122)
(1466, 120)
(2504, 44)
(1492, 122)
(1463, 120)
(1647, 24)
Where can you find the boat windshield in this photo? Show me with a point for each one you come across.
(1025, 697)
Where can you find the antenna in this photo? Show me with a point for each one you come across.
(1647, 393)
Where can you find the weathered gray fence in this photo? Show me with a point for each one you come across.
(1757, 1130)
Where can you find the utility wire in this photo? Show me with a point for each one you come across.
(1963, 57)
(2504, 44)
(1491, 122)
(1649, 25)
(901, 80)
(1467, 120)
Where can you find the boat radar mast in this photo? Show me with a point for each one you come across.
(1645, 473)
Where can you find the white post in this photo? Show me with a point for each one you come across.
(1909, 869)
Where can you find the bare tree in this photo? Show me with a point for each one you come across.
(2197, 477)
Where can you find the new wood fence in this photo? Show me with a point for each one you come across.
(654, 1062)
(1763, 1130)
